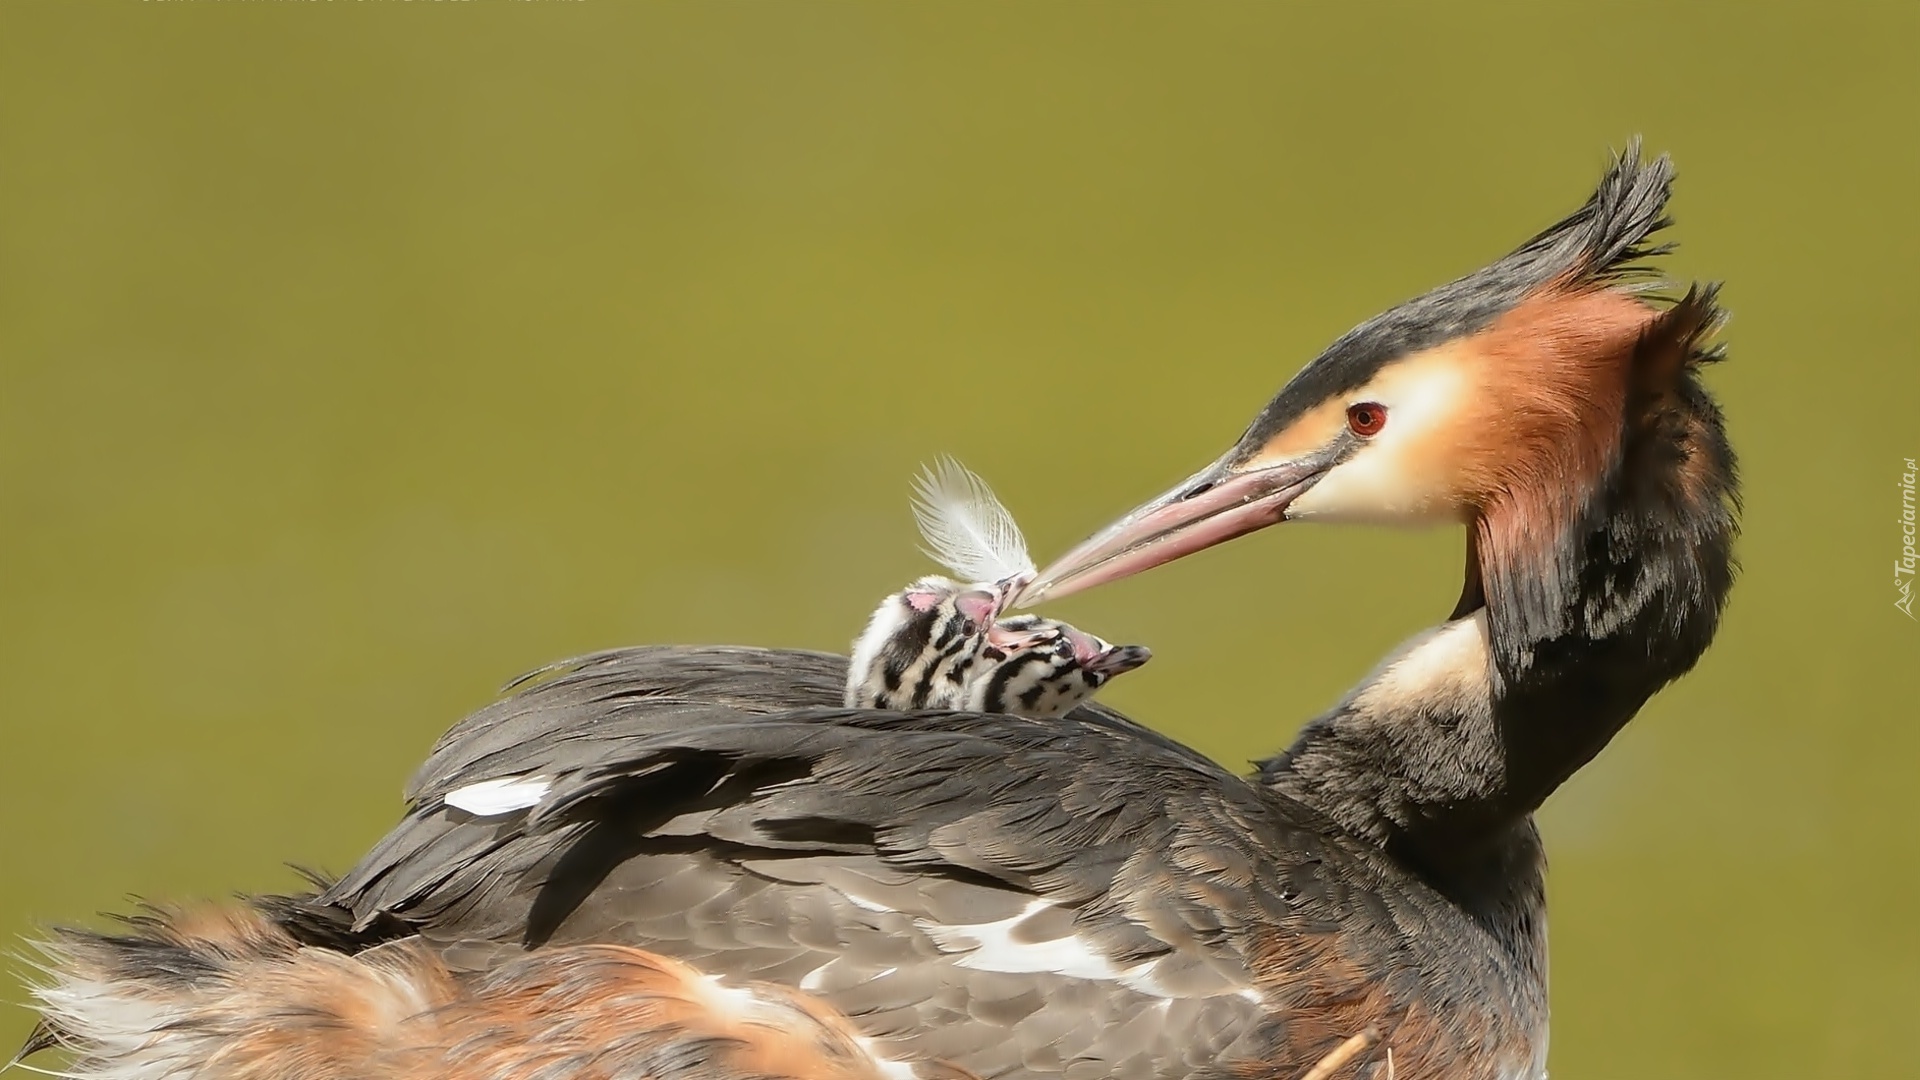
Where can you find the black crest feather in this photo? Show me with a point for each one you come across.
(1599, 245)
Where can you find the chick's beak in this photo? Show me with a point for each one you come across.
(1216, 504)
(1107, 660)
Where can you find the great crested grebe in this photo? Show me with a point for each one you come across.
(728, 873)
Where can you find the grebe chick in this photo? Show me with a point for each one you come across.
(940, 644)
(936, 645)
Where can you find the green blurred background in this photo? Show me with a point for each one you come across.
(355, 357)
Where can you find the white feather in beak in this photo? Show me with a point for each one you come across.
(966, 528)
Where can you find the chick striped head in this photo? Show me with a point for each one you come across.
(921, 646)
(1040, 667)
(941, 644)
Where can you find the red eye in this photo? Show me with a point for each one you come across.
(1366, 419)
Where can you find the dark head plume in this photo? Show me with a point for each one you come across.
(1599, 245)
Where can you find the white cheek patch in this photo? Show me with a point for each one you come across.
(491, 798)
(1395, 477)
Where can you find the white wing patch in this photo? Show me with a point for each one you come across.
(491, 798)
(999, 946)
(966, 527)
(992, 947)
(864, 904)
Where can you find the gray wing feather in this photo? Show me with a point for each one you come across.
(715, 805)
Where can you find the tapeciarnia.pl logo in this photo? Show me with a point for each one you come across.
(1903, 566)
